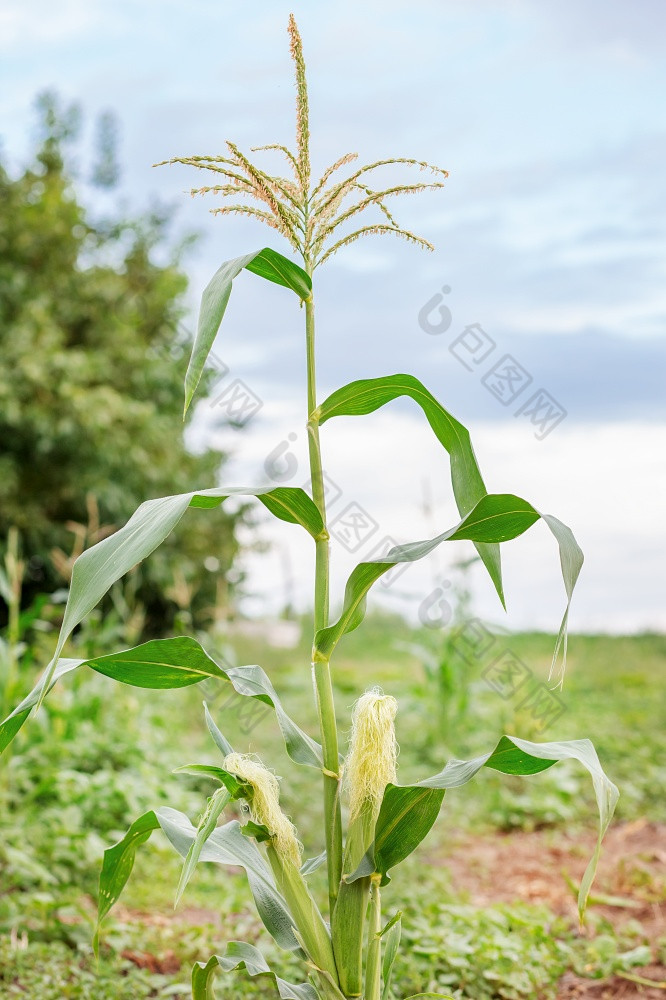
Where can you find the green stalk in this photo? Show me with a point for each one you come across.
(373, 972)
(348, 919)
(321, 670)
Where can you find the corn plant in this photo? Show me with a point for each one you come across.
(348, 947)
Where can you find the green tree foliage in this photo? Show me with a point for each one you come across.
(91, 376)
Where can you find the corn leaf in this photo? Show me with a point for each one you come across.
(267, 264)
(11, 725)
(312, 864)
(391, 934)
(117, 866)
(497, 517)
(217, 803)
(252, 682)
(239, 955)
(408, 812)
(98, 568)
(220, 741)
(176, 663)
(367, 395)
(235, 787)
(225, 846)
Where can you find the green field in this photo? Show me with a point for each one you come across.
(100, 755)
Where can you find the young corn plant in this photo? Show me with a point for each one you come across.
(348, 949)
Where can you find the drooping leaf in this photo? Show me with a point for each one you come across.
(367, 395)
(267, 264)
(160, 663)
(408, 811)
(117, 866)
(239, 955)
(11, 725)
(99, 567)
(226, 846)
(252, 682)
(175, 663)
(275, 267)
(571, 561)
(497, 517)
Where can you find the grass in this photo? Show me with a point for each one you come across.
(69, 795)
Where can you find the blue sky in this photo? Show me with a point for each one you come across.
(550, 117)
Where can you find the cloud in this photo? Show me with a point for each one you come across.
(606, 483)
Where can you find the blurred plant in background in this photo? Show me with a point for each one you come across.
(84, 419)
(444, 682)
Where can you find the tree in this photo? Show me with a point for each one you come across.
(83, 419)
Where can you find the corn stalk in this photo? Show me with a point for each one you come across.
(344, 949)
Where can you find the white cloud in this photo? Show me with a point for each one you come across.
(606, 482)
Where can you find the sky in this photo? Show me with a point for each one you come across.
(551, 120)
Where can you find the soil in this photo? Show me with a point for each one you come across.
(545, 866)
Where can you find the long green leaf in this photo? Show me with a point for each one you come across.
(239, 955)
(267, 264)
(220, 741)
(175, 663)
(98, 568)
(11, 725)
(312, 864)
(207, 824)
(408, 811)
(226, 846)
(162, 664)
(235, 787)
(367, 395)
(497, 517)
(117, 866)
(391, 935)
(252, 682)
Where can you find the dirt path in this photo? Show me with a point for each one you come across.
(541, 867)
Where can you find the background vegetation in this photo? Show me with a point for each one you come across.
(88, 429)
(508, 933)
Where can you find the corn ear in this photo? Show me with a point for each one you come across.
(309, 922)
